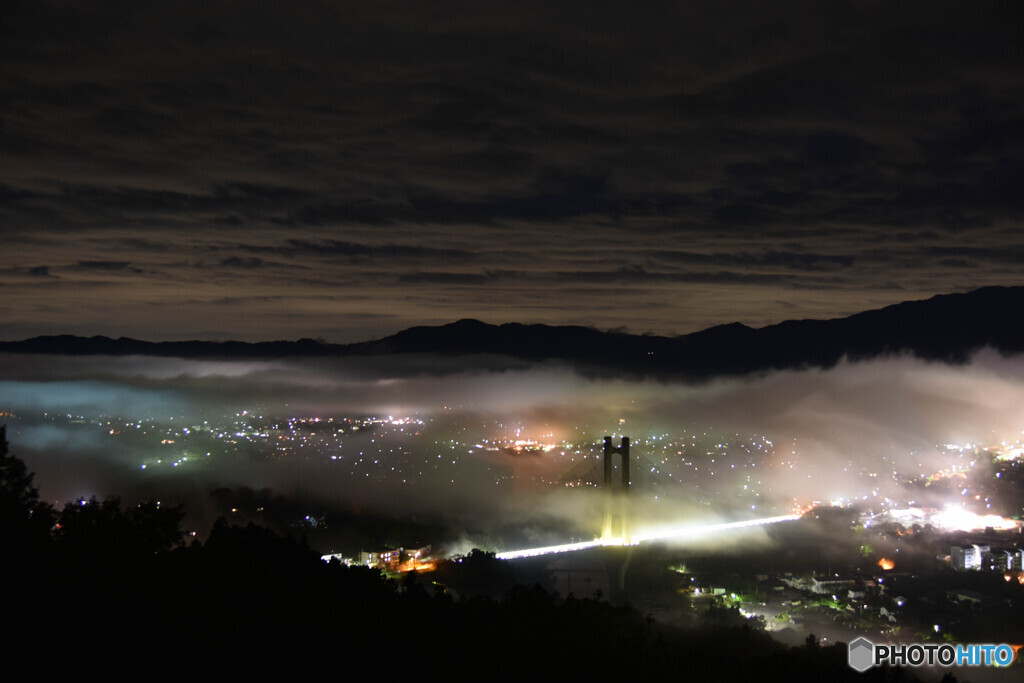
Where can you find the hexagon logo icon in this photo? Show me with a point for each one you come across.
(862, 655)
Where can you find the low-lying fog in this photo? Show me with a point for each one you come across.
(894, 413)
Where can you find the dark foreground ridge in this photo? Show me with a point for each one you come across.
(947, 328)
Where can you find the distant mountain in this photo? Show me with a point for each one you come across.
(947, 328)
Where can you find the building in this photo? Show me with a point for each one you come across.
(832, 585)
(969, 557)
(994, 561)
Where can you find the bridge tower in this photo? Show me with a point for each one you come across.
(614, 510)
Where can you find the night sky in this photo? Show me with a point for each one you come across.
(276, 170)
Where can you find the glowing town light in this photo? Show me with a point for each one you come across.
(955, 518)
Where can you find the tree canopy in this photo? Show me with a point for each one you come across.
(24, 519)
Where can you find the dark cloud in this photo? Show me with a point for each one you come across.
(105, 265)
(783, 259)
(1004, 254)
(334, 214)
(239, 262)
(389, 153)
(445, 278)
(356, 250)
(637, 274)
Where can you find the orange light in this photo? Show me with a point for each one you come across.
(886, 564)
(413, 566)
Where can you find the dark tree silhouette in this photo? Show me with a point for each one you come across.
(89, 528)
(24, 519)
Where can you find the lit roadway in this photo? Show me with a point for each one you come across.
(661, 533)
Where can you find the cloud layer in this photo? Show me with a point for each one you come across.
(179, 170)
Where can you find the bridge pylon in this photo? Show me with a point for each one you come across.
(615, 505)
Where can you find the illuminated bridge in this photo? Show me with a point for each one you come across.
(615, 517)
